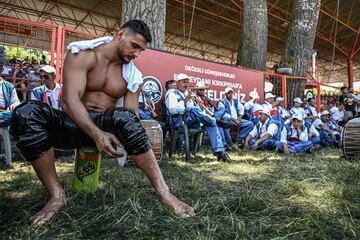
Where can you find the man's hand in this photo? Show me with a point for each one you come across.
(104, 143)
(286, 149)
(246, 146)
(333, 136)
(255, 146)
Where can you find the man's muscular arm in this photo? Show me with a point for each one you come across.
(76, 68)
(131, 100)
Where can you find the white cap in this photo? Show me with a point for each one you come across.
(297, 100)
(280, 99)
(325, 112)
(48, 69)
(181, 76)
(265, 111)
(297, 116)
(201, 85)
(254, 94)
(269, 95)
(228, 89)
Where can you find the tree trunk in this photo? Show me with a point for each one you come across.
(299, 44)
(254, 32)
(152, 12)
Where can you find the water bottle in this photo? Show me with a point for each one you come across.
(122, 160)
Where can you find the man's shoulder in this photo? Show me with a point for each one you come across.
(86, 58)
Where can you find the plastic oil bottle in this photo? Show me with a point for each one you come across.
(87, 170)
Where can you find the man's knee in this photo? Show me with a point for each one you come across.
(26, 114)
(129, 131)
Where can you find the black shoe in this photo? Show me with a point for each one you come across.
(227, 147)
(222, 156)
(224, 124)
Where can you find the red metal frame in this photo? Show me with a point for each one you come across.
(51, 27)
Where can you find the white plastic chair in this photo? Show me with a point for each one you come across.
(4, 132)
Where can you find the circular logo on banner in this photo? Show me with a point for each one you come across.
(153, 87)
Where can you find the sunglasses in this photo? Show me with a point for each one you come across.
(45, 77)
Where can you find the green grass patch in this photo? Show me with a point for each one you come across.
(260, 195)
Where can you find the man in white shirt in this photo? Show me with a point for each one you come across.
(283, 111)
(50, 92)
(294, 136)
(264, 134)
(327, 137)
(180, 101)
(231, 109)
(297, 109)
(339, 114)
(310, 110)
(268, 102)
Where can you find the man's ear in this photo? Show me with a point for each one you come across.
(120, 34)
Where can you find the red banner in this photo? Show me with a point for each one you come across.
(158, 67)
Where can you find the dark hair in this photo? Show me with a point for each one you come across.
(309, 100)
(343, 88)
(140, 27)
(167, 83)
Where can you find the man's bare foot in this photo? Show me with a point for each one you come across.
(51, 207)
(178, 207)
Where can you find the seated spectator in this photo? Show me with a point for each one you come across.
(8, 97)
(310, 110)
(297, 109)
(264, 134)
(146, 107)
(349, 101)
(339, 114)
(251, 105)
(327, 136)
(200, 92)
(294, 136)
(334, 127)
(33, 77)
(284, 113)
(21, 84)
(268, 102)
(181, 101)
(230, 109)
(50, 92)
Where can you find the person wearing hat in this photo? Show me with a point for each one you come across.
(8, 97)
(295, 136)
(310, 110)
(230, 109)
(251, 105)
(50, 92)
(146, 106)
(181, 101)
(297, 107)
(268, 102)
(279, 105)
(264, 134)
(327, 136)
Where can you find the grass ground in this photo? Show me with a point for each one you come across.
(258, 196)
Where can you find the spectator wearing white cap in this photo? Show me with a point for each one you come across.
(268, 102)
(176, 102)
(327, 137)
(297, 109)
(231, 109)
(8, 97)
(264, 134)
(294, 136)
(310, 110)
(50, 91)
(202, 100)
(251, 105)
(280, 107)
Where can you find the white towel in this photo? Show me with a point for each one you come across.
(130, 72)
